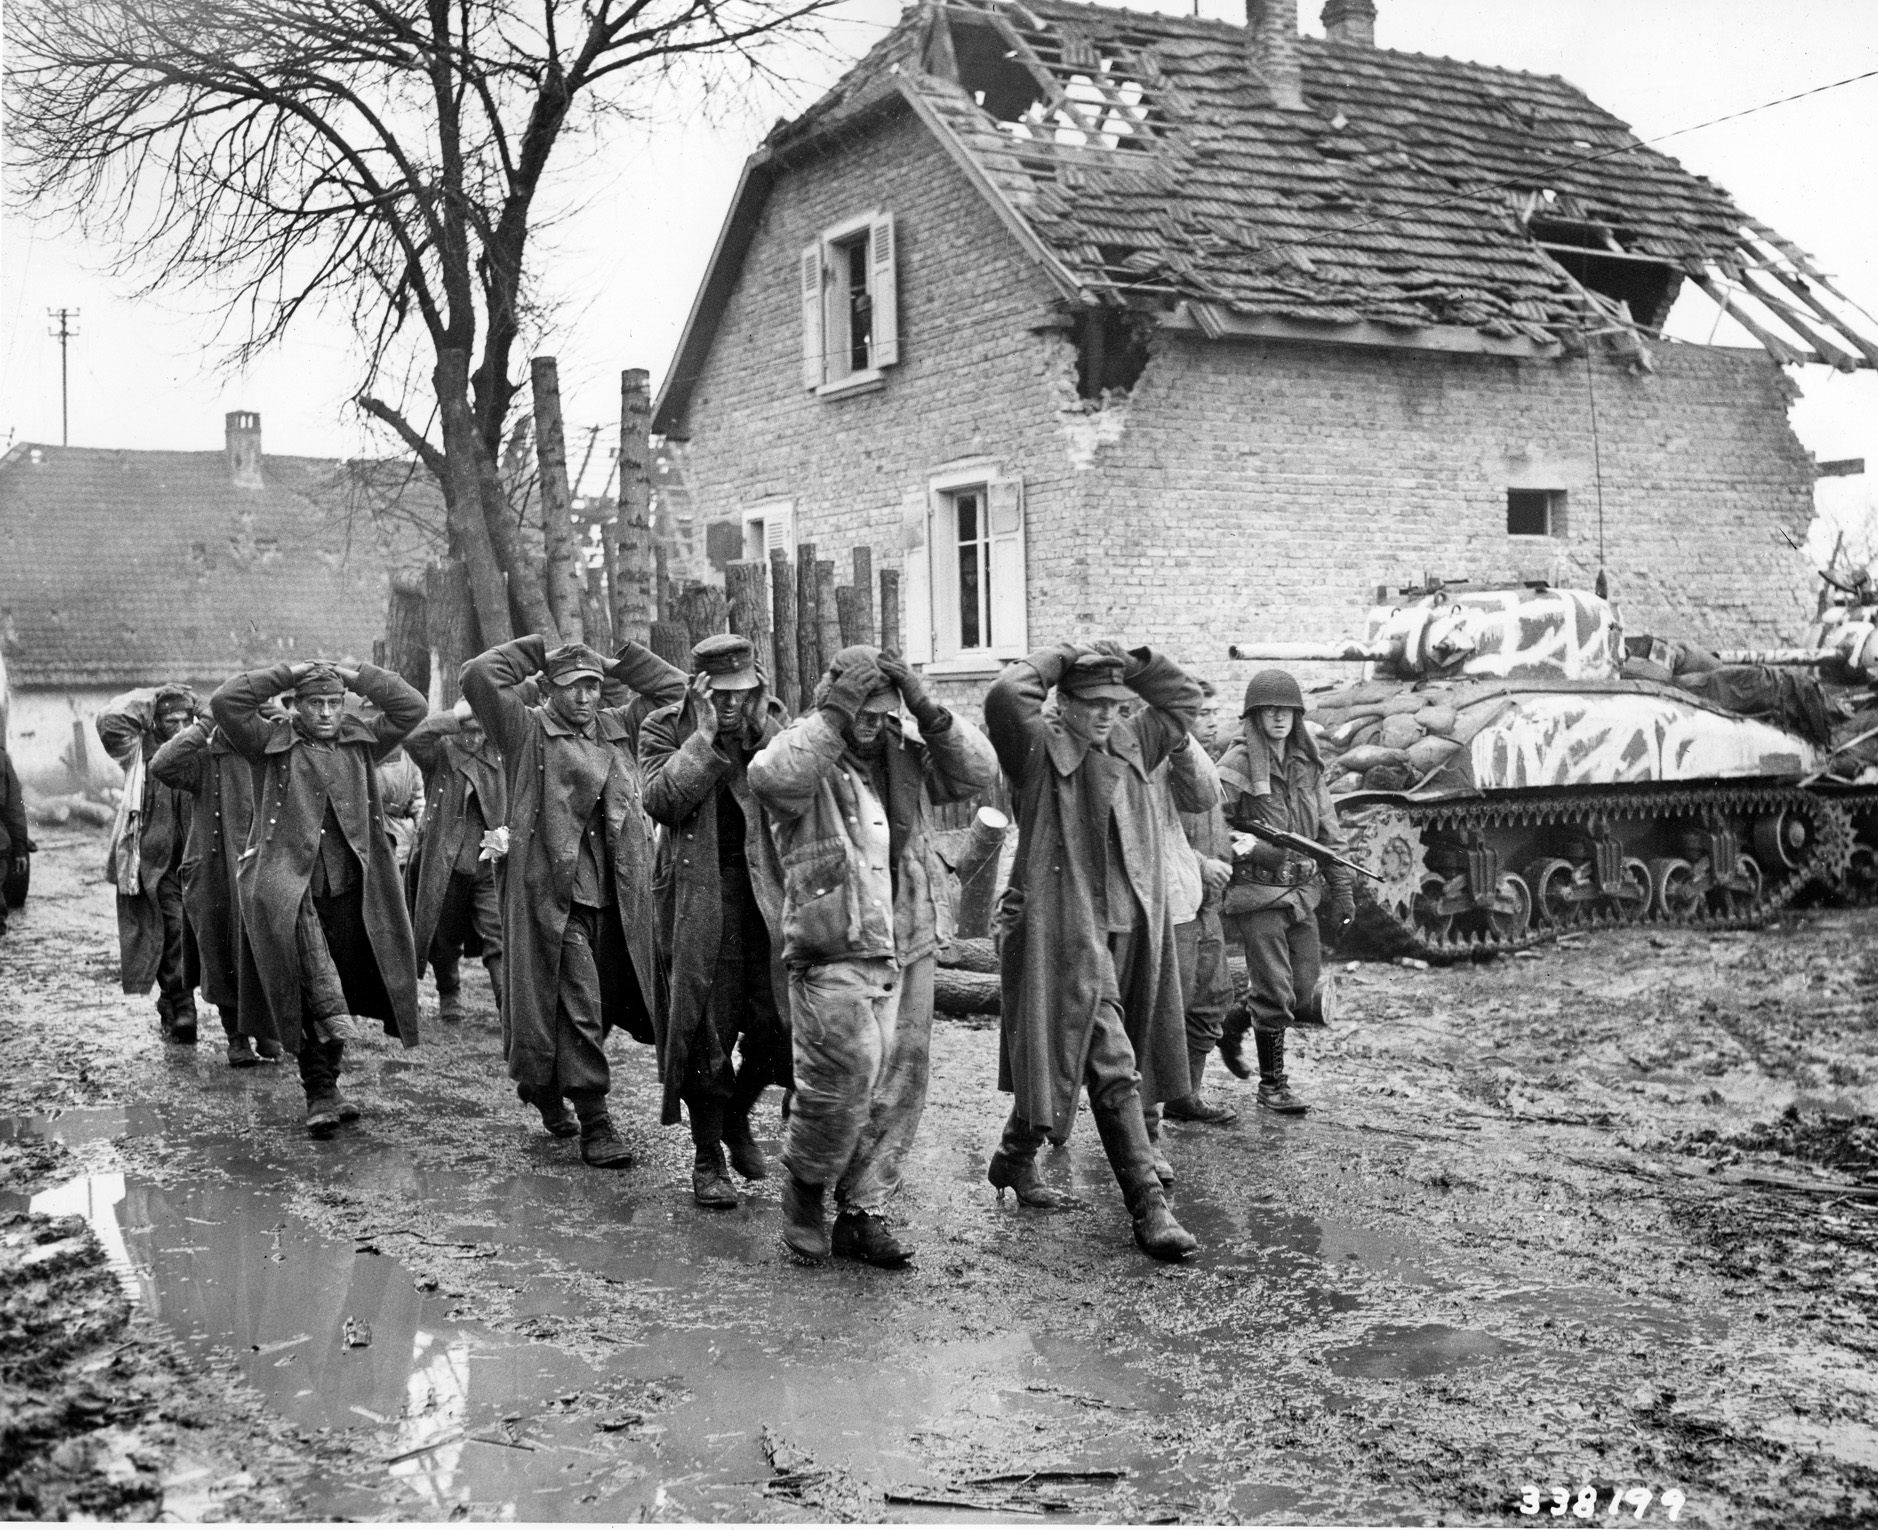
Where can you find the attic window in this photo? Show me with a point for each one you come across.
(1042, 87)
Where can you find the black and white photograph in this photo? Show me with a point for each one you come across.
(974, 762)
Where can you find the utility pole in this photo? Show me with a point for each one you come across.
(63, 334)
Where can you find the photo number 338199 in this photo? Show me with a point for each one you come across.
(1588, 1502)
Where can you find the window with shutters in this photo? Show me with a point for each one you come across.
(768, 527)
(965, 582)
(850, 306)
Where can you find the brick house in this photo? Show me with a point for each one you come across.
(1101, 322)
(133, 568)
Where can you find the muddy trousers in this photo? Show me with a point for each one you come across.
(1284, 959)
(1211, 994)
(470, 906)
(862, 1043)
(1114, 1101)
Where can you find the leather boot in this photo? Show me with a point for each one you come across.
(601, 1145)
(450, 1006)
(270, 1051)
(1274, 1089)
(556, 1115)
(1163, 1170)
(241, 1053)
(1157, 1234)
(1232, 1041)
(1014, 1167)
(745, 1156)
(862, 1235)
(1196, 1106)
(804, 1229)
(335, 1059)
(322, 1114)
(710, 1178)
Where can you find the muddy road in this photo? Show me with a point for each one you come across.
(1589, 1220)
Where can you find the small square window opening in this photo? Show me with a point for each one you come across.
(1535, 512)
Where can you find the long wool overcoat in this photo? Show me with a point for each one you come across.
(126, 726)
(289, 807)
(220, 783)
(452, 771)
(1053, 954)
(684, 773)
(555, 777)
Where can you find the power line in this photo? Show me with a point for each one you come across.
(63, 334)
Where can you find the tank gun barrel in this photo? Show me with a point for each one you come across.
(1795, 656)
(1327, 653)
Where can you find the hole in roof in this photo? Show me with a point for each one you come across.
(1080, 94)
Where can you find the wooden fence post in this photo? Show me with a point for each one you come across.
(978, 872)
(749, 608)
(848, 614)
(808, 626)
(702, 609)
(672, 643)
(785, 679)
(864, 597)
(890, 637)
(829, 611)
(566, 579)
(632, 597)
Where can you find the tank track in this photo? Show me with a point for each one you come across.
(1388, 835)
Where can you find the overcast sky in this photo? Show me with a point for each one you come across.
(148, 374)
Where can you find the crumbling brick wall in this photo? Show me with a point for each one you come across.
(1242, 489)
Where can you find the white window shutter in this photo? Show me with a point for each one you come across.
(916, 581)
(778, 531)
(1010, 626)
(883, 286)
(812, 345)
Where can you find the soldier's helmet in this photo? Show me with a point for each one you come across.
(1272, 688)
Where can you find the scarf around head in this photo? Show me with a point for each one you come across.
(1249, 763)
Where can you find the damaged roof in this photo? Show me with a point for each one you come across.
(1149, 159)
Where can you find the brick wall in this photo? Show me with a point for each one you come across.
(1242, 489)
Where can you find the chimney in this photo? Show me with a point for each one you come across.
(1350, 21)
(244, 448)
(1274, 49)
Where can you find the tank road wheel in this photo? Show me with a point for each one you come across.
(1636, 893)
(1514, 923)
(1781, 840)
(1433, 924)
(1678, 896)
(1551, 882)
(1745, 896)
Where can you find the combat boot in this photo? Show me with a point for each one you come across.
(710, 1178)
(601, 1145)
(1014, 1167)
(1232, 1041)
(241, 1053)
(1196, 1106)
(745, 1156)
(862, 1235)
(450, 1006)
(804, 1229)
(1274, 1088)
(322, 1114)
(556, 1115)
(1157, 1234)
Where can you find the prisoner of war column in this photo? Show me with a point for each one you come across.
(202, 762)
(865, 909)
(720, 912)
(155, 943)
(451, 881)
(320, 896)
(1091, 988)
(578, 955)
(1274, 776)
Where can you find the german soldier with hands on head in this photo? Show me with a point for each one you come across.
(579, 955)
(865, 908)
(155, 942)
(1091, 986)
(1274, 776)
(320, 896)
(451, 882)
(719, 888)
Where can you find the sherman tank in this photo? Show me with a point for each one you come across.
(1510, 767)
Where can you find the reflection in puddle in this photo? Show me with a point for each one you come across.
(1396, 1353)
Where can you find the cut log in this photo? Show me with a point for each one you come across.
(969, 956)
(957, 992)
(808, 628)
(749, 608)
(978, 872)
(786, 679)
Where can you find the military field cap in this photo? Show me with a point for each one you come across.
(1272, 688)
(729, 661)
(1096, 677)
(172, 698)
(574, 661)
(321, 680)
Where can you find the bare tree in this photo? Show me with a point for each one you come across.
(380, 159)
